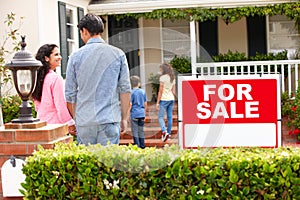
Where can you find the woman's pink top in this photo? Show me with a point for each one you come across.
(53, 107)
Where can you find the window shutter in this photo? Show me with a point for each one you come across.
(208, 32)
(256, 31)
(80, 14)
(63, 36)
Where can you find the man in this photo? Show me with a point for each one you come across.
(97, 86)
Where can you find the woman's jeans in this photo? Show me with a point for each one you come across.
(165, 106)
(137, 129)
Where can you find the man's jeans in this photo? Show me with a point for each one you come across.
(137, 129)
(165, 106)
(102, 134)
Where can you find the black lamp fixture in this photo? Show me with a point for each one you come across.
(24, 70)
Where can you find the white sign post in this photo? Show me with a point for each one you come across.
(229, 111)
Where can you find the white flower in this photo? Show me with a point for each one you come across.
(116, 184)
(200, 192)
(105, 182)
(56, 173)
(284, 154)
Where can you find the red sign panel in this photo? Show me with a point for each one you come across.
(229, 101)
(238, 108)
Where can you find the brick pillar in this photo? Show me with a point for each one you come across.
(21, 140)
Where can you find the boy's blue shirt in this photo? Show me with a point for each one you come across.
(138, 99)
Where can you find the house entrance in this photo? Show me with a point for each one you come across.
(124, 34)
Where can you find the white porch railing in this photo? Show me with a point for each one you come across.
(289, 69)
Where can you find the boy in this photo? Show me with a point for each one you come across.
(138, 102)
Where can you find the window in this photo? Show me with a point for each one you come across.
(70, 31)
(283, 35)
(175, 39)
(69, 35)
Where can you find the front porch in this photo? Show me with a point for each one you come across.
(174, 28)
(289, 70)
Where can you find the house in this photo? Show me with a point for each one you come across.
(148, 40)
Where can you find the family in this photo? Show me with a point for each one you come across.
(98, 96)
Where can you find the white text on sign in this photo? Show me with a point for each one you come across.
(242, 92)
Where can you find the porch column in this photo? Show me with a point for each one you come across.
(193, 46)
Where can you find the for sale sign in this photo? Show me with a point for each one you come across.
(229, 111)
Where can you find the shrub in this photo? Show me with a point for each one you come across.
(10, 107)
(122, 172)
(181, 65)
(230, 57)
(237, 56)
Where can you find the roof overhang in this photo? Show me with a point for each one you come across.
(134, 6)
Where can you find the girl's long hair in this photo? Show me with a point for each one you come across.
(167, 69)
(43, 51)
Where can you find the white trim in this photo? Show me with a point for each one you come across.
(74, 27)
(161, 41)
(268, 33)
(142, 54)
(193, 46)
(149, 6)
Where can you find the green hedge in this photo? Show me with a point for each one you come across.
(126, 172)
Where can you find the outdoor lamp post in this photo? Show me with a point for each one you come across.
(24, 70)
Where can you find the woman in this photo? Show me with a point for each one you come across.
(165, 99)
(48, 96)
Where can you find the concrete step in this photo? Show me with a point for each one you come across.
(152, 128)
(154, 118)
(150, 133)
(152, 121)
(151, 142)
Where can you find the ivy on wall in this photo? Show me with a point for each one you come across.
(229, 15)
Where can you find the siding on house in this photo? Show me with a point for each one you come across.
(233, 36)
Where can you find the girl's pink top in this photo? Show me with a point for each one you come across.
(53, 107)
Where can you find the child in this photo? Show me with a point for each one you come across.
(138, 102)
(165, 99)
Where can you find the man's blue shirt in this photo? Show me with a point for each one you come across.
(96, 74)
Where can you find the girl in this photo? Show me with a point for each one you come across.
(165, 99)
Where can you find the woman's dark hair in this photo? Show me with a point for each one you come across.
(93, 23)
(44, 51)
(167, 69)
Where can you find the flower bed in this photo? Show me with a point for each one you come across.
(290, 110)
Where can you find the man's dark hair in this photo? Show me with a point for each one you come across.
(93, 23)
